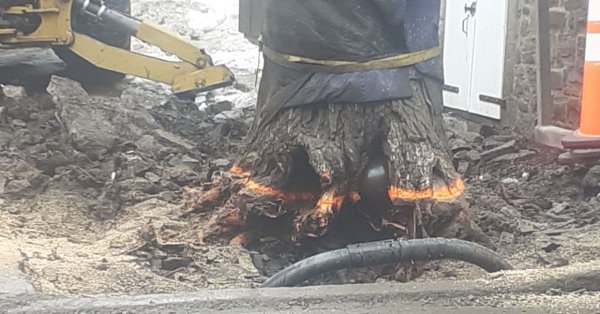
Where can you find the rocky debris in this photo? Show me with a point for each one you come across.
(139, 184)
(223, 164)
(526, 227)
(182, 175)
(520, 193)
(504, 149)
(152, 177)
(472, 150)
(28, 64)
(170, 253)
(96, 126)
(591, 182)
(84, 172)
(175, 263)
(173, 140)
(5, 138)
(487, 131)
(114, 154)
(229, 115)
(488, 145)
(513, 157)
(491, 143)
(137, 168)
(17, 187)
(205, 131)
(98, 177)
(551, 247)
(219, 107)
(467, 161)
(125, 152)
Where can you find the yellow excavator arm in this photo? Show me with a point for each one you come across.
(48, 22)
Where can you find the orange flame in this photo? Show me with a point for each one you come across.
(262, 189)
(233, 220)
(239, 171)
(354, 196)
(441, 193)
(329, 201)
(239, 240)
(288, 196)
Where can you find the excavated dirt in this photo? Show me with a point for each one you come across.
(90, 187)
(93, 191)
(539, 212)
(93, 188)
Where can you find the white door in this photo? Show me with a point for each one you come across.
(474, 51)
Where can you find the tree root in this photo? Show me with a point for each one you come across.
(303, 168)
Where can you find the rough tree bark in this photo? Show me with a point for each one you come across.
(303, 167)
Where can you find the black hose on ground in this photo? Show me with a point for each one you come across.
(388, 252)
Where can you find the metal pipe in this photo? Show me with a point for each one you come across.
(121, 21)
(388, 252)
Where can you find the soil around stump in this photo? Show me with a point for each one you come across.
(72, 229)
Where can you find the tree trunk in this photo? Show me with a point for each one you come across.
(306, 169)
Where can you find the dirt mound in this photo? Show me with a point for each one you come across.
(83, 178)
(92, 188)
(93, 191)
(535, 209)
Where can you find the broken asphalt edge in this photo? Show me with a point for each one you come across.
(575, 277)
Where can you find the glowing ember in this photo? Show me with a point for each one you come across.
(239, 171)
(441, 193)
(326, 176)
(327, 206)
(354, 197)
(265, 190)
(239, 240)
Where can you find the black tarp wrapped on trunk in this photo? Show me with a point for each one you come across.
(354, 30)
(347, 30)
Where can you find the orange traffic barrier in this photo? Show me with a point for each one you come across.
(588, 135)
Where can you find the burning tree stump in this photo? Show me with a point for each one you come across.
(324, 172)
(302, 167)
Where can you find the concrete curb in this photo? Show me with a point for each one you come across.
(349, 297)
(550, 135)
(254, 300)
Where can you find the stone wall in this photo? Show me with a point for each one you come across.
(567, 43)
(520, 69)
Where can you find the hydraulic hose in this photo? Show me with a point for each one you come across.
(123, 22)
(388, 252)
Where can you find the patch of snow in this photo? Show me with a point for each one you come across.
(210, 25)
